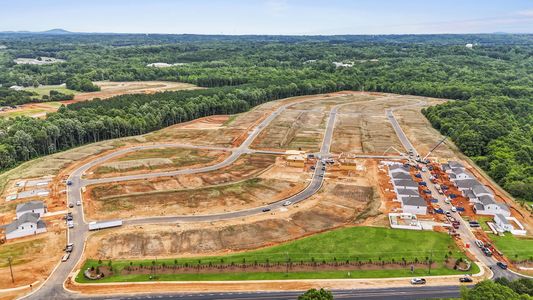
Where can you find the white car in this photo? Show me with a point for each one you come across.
(287, 203)
(70, 224)
(65, 257)
(78, 203)
(454, 209)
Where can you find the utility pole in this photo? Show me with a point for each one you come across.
(10, 259)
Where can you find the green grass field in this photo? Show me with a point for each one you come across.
(354, 244)
(18, 251)
(45, 90)
(514, 247)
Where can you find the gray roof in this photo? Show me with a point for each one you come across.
(455, 164)
(408, 192)
(414, 201)
(398, 168)
(479, 206)
(25, 218)
(458, 171)
(29, 206)
(502, 218)
(467, 183)
(469, 194)
(503, 206)
(405, 182)
(452, 175)
(481, 189)
(446, 167)
(486, 200)
(399, 175)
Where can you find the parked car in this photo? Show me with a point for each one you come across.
(418, 281)
(454, 209)
(266, 209)
(502, 265)
(448, 214)
(65, 257)
(479, 243)
(486, 251)
(427, 192)
(287, 203)
(474, 224)
(69, 182)
(460, 208)
(70, 247)
(465, 279)
(70, 224)
(439, 210)
(313, 167)
(78, 203)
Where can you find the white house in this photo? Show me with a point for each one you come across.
(414, 205)
(447, 167)
(27, 224)
(503, 223)
(466, 184)
(487, 206)
(460, 174)
(37, 207)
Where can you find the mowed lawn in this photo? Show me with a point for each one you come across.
(516, 248)
(45, 90)
(354, 244)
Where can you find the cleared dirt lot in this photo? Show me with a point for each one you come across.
(231, 188)
(324, 211)
(108, 90)
(296, 130)
(151, 160)
(33, 257)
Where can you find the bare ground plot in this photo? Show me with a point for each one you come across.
(33, 257)
(162, 159)
(325, 212)
(222, 137)
(364, 134)
(119, 199)
(214, 199)
(108, 90)
(294, 130)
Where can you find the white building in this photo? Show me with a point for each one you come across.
(37, 207)
(502, 222)
(414, 205)
(27, 224)
(487, 206)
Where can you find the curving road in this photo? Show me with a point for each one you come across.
(53, 287)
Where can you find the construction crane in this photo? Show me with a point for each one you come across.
(438, 144)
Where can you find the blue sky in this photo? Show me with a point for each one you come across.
(269, 16)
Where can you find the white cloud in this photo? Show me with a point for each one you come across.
(526, 13)
(276, 7)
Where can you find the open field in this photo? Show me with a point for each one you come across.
(108, 89)
(294, 130)
(514, 247)
(336, 247)
(33, 257)
(45, 90)
(161, 159)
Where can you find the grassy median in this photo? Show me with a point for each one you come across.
(354, 244)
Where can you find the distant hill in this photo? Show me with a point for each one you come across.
(55, 31)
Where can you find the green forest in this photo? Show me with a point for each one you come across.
(492, 83)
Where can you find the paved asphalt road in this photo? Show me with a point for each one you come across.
(408, 293)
